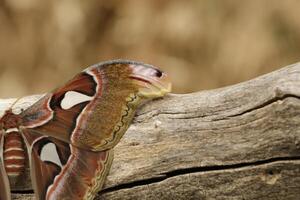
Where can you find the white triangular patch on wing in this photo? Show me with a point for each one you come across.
(49, 153)
(73, 98)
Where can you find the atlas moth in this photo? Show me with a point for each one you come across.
(67, 136)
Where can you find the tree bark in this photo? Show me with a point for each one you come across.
(236, 142)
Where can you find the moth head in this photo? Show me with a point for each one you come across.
(152, 82)
(9, 120)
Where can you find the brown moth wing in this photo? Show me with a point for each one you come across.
(95, 108)
(62, 171)
(4, 183)
(83, 176)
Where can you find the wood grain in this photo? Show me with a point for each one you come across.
(236, 142)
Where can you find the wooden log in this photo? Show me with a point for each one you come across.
(236, 142)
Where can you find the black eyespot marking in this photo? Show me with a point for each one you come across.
(158, 73)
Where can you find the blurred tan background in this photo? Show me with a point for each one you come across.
(202, 44)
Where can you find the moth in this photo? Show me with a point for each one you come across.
(67, 136)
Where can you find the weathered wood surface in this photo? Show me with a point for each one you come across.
(237, 142)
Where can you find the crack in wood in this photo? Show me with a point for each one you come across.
(269, 102)
(191, 170)
(185, 171)
(22, 192)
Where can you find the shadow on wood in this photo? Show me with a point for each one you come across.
(237, 142)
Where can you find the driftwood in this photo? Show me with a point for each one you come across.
(237, 142)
